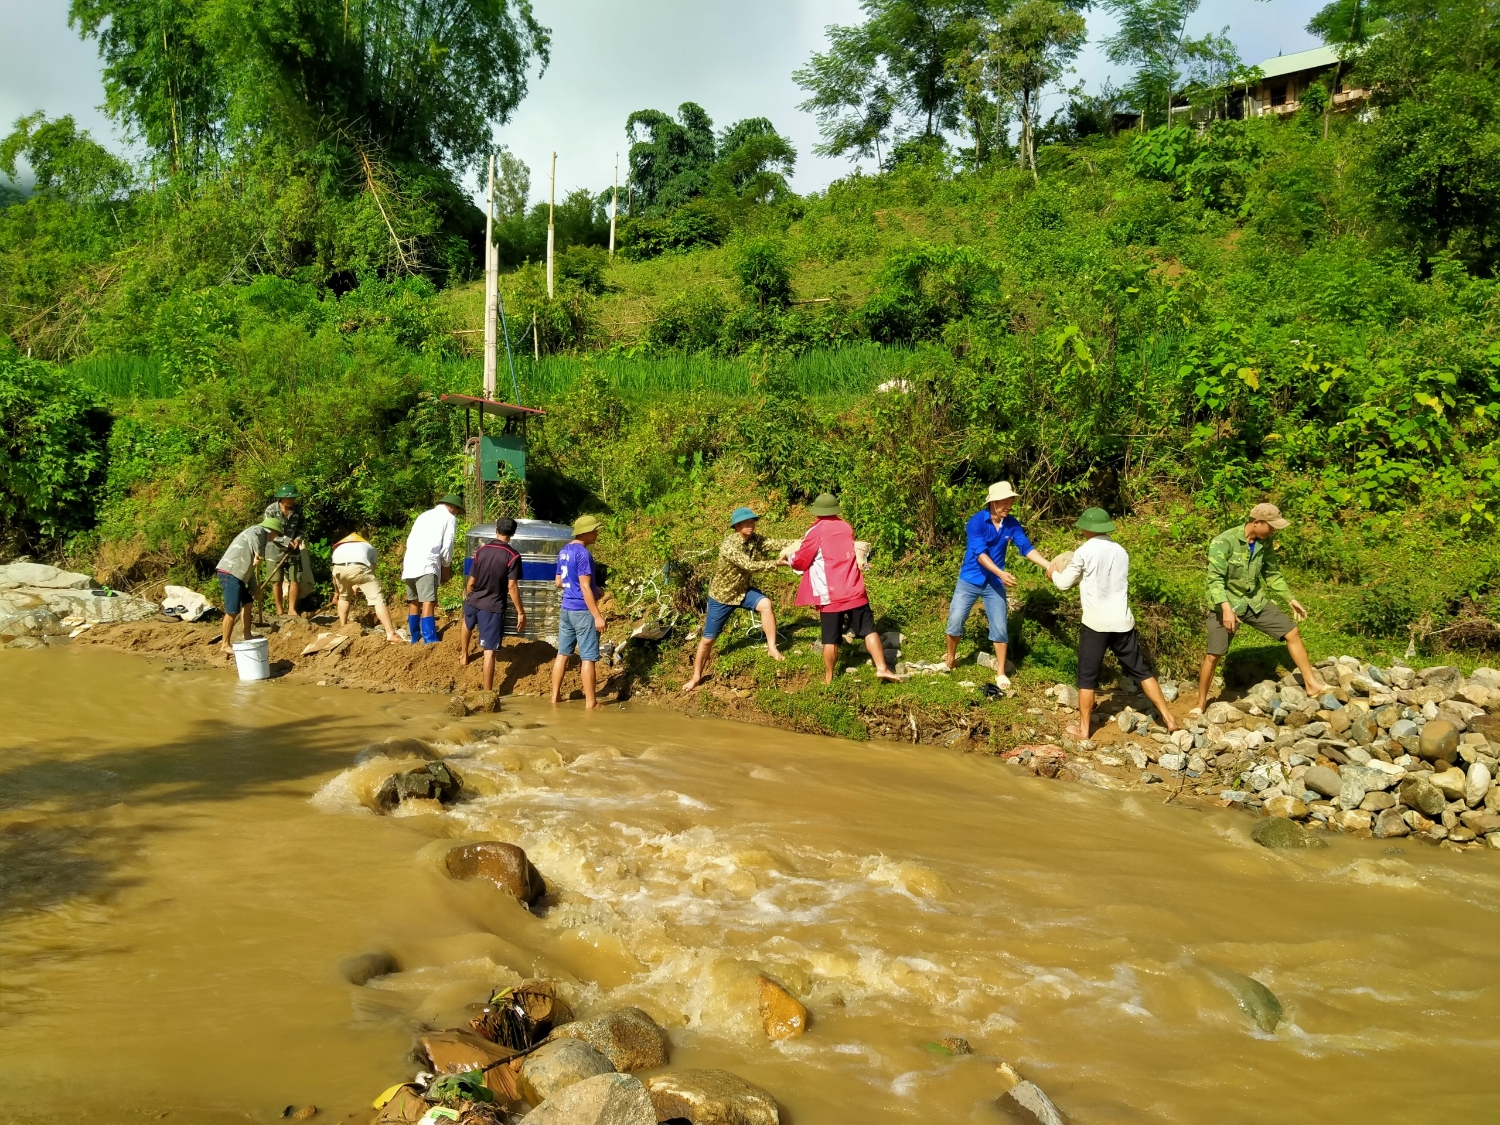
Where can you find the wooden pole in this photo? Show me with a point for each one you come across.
(551, 238)
(491, 286)
(536, 347)
(614, 206)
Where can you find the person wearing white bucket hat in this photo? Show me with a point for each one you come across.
(989, 534)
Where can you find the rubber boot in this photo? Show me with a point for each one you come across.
(429, 631)
(414, 627)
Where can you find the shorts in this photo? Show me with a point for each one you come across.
(491, 626)
(349, 578)
(421, 589)
(576, 631)
(1271, 621)
(718, 612)
(298, 570)
(236, 593)
(996, 611)
(1127, 649)
(859, 621)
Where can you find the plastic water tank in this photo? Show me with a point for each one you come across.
(538, 542)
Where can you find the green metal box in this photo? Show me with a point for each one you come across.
(505, 450)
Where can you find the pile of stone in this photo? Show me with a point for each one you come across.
(41, 605)
(1385, 752)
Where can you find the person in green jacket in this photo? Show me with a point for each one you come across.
(1242, 569)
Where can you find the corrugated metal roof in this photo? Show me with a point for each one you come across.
(1317, 58)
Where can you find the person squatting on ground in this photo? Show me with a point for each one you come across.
(1101, 570)
(427, 564)
(579, 622)
(494, 580)
(296, 572)
(354, 572)
(1242, 567)
(743, 554)
(989, 534)
(237, 575)
(832, 580)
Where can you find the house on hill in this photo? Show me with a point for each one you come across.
(1287, 77)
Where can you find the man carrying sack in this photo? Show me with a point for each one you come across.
(1242, 569)
(1101, 570)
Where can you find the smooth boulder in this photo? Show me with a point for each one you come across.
(367, 966)
(556, 1065)
(628, 1038)
(609, 1099)
(505, 865)
(1390, 823)
(1450, 783)
(781, 1013)
(1255, 999)
(1439, 742)
(711, 1097)
(1279, 832)
(1323, 781)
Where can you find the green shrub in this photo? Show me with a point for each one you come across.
(765, 277)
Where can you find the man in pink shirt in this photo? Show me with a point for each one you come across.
(833, 581)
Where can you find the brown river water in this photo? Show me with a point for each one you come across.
(185, 860)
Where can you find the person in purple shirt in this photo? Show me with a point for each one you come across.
(579, 621)
(989, 532)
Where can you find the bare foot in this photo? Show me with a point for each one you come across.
(556, 700)
(775, 654)
(1318, 688)
(594, 706)
(693, 682)
(227, 651)
(392, 639)
(1072, 731)
(890, 677)
(463, 660)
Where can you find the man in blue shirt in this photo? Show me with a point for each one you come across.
(989, 532)
(579, 621)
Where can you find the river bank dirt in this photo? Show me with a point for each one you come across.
(187, 860)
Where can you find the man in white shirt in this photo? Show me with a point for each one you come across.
(1101, 570)
(354, 572)
(427, 565)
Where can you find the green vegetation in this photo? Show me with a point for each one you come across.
(1172, 323)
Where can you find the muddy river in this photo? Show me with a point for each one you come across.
(185, 861)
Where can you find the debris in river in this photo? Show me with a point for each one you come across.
(782, 1014)
(1255, 999)
(628, 1038)
(503, 864)
(1025, 1101)
(711, 1097)
(367, 966)
(436, 780)
(523, 1016)
(609, 1099)
(557, 1065)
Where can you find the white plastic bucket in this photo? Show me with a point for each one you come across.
(253, 658)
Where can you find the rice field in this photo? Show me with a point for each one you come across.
(125, 376)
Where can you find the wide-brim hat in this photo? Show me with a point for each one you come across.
(1271, 514)
(740, 515)
(352, 537)
(1095, 520)
(287, 492)
(1000, 490)
(827, 504)
(274, 523)
(585, 524)
(453, 500)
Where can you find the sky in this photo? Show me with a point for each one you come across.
(610, 58)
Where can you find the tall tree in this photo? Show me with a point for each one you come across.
(674, 160)
(424, 81)
(1152, 35)
(1348, 25)
(900, 58)
(1030, 50)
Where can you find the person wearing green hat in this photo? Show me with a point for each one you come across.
(296, 574)
(743, 554)
(1100, 568)
(579, 622)
(236, 572)
(427, 564)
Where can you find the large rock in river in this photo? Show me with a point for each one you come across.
(557, 1065)
(609, 1099)
(628, 1038)
(711, 1097)
(781, 1013)
(1279, 832)
(1026, 1102)
(503, 864)
(435, 781)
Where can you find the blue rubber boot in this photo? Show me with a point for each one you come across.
(429, 631)
(414, 627)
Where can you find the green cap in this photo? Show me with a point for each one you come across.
(288, 492)
(1096, 520)
(274, 523)
(453, 499)
(826, 504)
(740, 515)
(585, 524)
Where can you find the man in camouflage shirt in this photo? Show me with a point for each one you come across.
(286, 506)
(743, 554)
(1242, 571)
